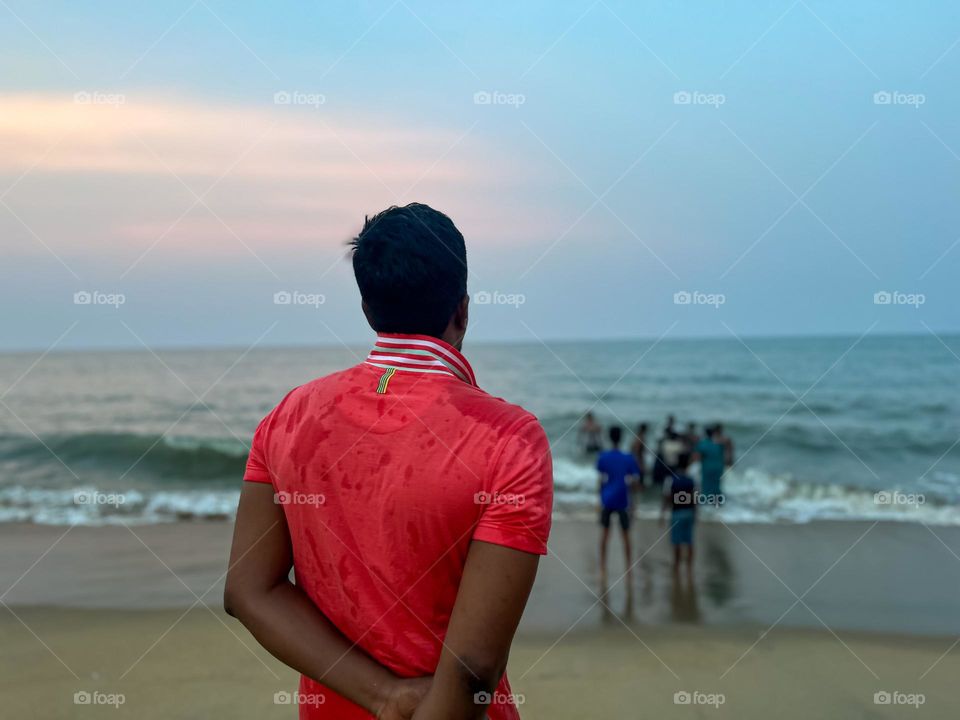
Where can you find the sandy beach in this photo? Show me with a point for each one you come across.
(135, 613)
(206, 666)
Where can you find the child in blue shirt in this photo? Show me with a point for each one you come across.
(680, 497)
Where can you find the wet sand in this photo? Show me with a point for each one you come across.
(108, 610)
(887, 577)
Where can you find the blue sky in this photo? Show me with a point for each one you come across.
(736, 154)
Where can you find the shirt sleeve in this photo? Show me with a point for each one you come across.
(257, 470)
(518, 507)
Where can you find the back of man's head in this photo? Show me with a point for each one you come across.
(411, 267)
(615, 434)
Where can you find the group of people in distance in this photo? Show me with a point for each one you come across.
(623, 477)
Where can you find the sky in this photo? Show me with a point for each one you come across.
(187, 173)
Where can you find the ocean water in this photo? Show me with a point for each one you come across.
(821, 425)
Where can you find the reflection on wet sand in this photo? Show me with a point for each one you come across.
(714, 572)
(742, 576)
(618, 613)
(718, 571)
(683, 599)
(655, 591)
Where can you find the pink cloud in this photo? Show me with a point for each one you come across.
(118, 176)
(132, 136)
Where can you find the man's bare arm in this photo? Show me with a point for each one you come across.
(286, 622)
(493, 593)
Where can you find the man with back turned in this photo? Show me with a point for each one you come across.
(413, 506)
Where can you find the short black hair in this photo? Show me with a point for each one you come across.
(615, 434)
(411, 267)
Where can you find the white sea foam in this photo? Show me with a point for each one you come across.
(752, 496)
(74, 506)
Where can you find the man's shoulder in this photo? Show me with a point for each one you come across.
(492, 410)
(336, 378)
(325, 385)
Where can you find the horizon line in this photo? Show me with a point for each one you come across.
(136, 347)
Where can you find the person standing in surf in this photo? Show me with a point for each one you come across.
(639, 450)
(727, 442)
(590, 435)
(711, 454)
(691, 437)
(670, 448)
(412, 506)
(619, 472)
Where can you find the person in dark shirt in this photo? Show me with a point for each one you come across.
(590, 434)
(667, 446)
(727, 442)
(680, 498)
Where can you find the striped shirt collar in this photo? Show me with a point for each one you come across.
(420, 353)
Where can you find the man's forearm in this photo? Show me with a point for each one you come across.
(493, 592)
(287, 623)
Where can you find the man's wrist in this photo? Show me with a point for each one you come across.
(380, 691)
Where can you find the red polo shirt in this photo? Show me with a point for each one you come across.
(387, 471)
